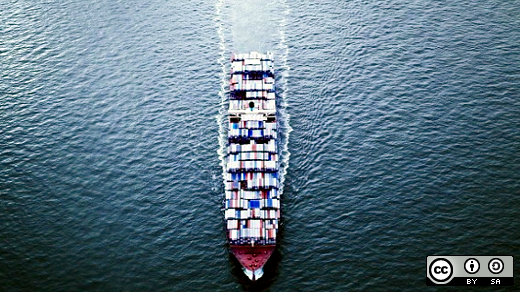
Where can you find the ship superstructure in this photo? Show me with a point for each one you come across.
(252, 203)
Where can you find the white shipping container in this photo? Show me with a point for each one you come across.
(255, 232)
(244, 233)
(244, 214)
(232, 224)
(229, 195)
(254, 223)
(271, 147)
(244, 204)
(270, 125)
(234, 147)
(230, 213)
(234, 234)
(253, 62)
(250, 195)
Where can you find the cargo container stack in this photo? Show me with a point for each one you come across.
(252, 202)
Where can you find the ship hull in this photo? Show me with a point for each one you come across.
(253, 258)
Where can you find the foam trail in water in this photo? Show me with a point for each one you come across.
(284, 116)
(221, 120)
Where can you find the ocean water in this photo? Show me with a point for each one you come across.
(400, 140)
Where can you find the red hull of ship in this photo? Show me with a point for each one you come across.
(252, 258)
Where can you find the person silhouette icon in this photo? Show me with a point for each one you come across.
(472, 266)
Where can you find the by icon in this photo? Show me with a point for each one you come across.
(471, 266)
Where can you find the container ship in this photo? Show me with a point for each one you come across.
(252, 203)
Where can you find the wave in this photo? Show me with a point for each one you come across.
(283, 114)
(221, 116)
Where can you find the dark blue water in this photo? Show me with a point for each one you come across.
(401, 139)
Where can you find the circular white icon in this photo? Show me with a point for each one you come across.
(496, 266)
(471, 266)
(441, 270)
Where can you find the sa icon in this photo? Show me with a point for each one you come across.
(440, 270)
